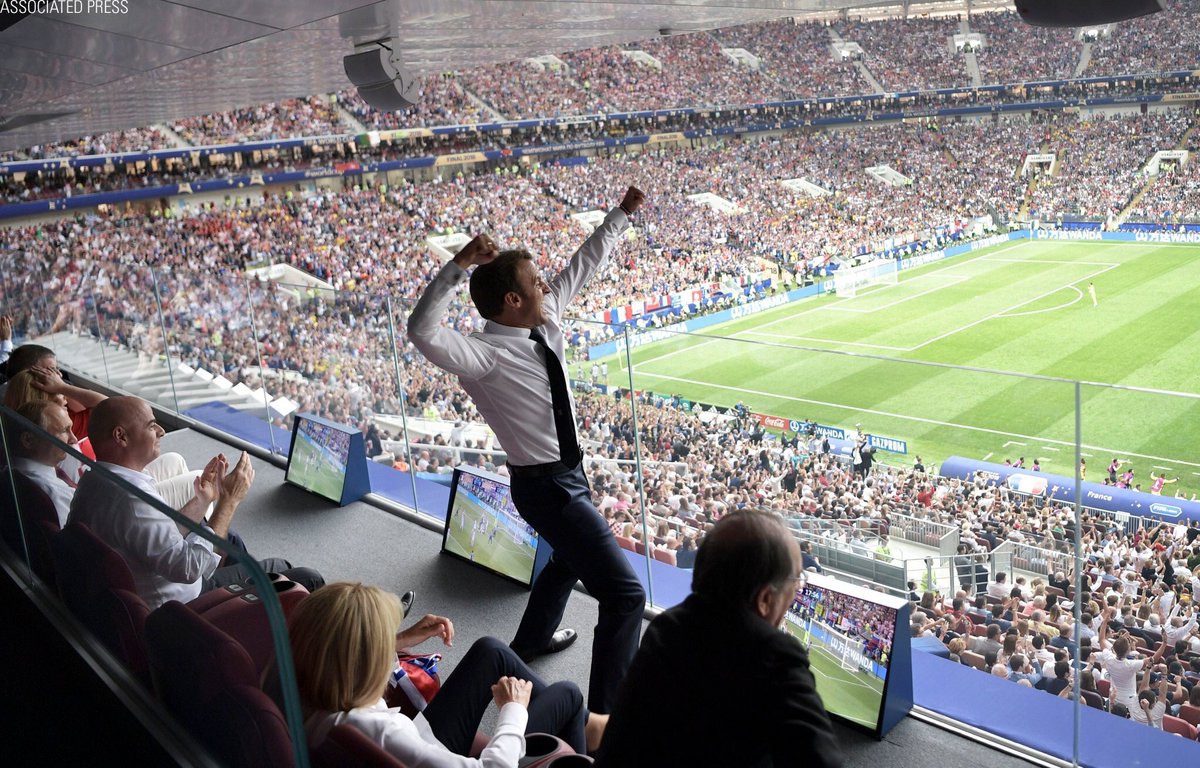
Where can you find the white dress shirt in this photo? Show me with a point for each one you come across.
(165, 564)
(500, 367)
(413, 742)
(47, 479)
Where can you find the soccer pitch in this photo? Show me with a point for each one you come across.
(853, 695)
(499, 552)
(311, 468)
(1020, 307)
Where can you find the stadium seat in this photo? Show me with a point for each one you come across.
(1179, 727)
(979, 630)
(626, 543)
(27, 516)
(207, 681)
(97, 587)
(1093, 699)
(664, 555)
(639, 547)
(244, 618)
(1190, 713)
(1104, 687)
(346, 745)
(972, 659)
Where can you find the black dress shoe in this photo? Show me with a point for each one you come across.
(407, 600)
(561, 640)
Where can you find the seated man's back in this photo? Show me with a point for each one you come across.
(715, 682)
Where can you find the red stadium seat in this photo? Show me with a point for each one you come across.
(1179, 727)
(1190, 713)
(626, 543)
(346, 745)
(1104, 687)
(664, 556)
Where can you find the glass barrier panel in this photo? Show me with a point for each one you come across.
(136, 540)
(207, 319)
(1139, 472)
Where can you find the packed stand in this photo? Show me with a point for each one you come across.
(797, 56)
(129, 140)
(1016, 52)
(1100, 162)
(909, 54)
(1165, 41)
(525, 89)
(291, 118)
(694, 73)
(1173, 196)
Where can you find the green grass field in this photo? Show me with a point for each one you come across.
(1020, 307)
(852, 695)
(502, 553)
(311, 468)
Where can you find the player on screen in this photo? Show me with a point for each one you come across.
(1092, 293)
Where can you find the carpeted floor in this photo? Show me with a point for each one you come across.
(363, 543)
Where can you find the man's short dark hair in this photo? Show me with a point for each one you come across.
(25, 357)
(1061, 668)
(491, 282)
(743, 553)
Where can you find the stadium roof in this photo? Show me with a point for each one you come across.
(66, 71)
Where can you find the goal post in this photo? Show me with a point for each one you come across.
(848, 280)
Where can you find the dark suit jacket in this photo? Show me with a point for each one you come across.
(716, 685)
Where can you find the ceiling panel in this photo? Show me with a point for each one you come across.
(44, 64)
(65, 39)
(281, 14)
(170, 24)
(190, 57)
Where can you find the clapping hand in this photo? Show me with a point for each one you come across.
(236, 484)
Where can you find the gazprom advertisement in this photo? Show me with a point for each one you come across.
(1060, 488)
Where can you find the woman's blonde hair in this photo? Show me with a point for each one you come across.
(21, 390)
(344, 645)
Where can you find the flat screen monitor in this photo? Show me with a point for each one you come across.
(850, 633)
(323, 455)
(484, 528)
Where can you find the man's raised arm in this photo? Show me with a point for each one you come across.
(442, 346)
(592, 254)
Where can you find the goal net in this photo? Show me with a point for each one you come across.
(847, 650)
(848, 280)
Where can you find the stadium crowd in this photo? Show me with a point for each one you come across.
(1016, 52)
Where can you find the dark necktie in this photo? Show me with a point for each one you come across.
(62, 475)
(564, 424)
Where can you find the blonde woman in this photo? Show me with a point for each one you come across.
(344, 642)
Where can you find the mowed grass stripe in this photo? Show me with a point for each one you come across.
(1156, 288)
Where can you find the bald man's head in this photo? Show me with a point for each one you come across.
(123, 432)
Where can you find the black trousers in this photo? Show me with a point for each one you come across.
(456, 710)
(560, 509)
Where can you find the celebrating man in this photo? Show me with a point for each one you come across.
(514, 369)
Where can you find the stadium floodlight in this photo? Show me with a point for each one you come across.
(848, 280)
(381, 77)
(1073, 13)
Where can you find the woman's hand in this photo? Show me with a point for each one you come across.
(512, 689)
(426, 627)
